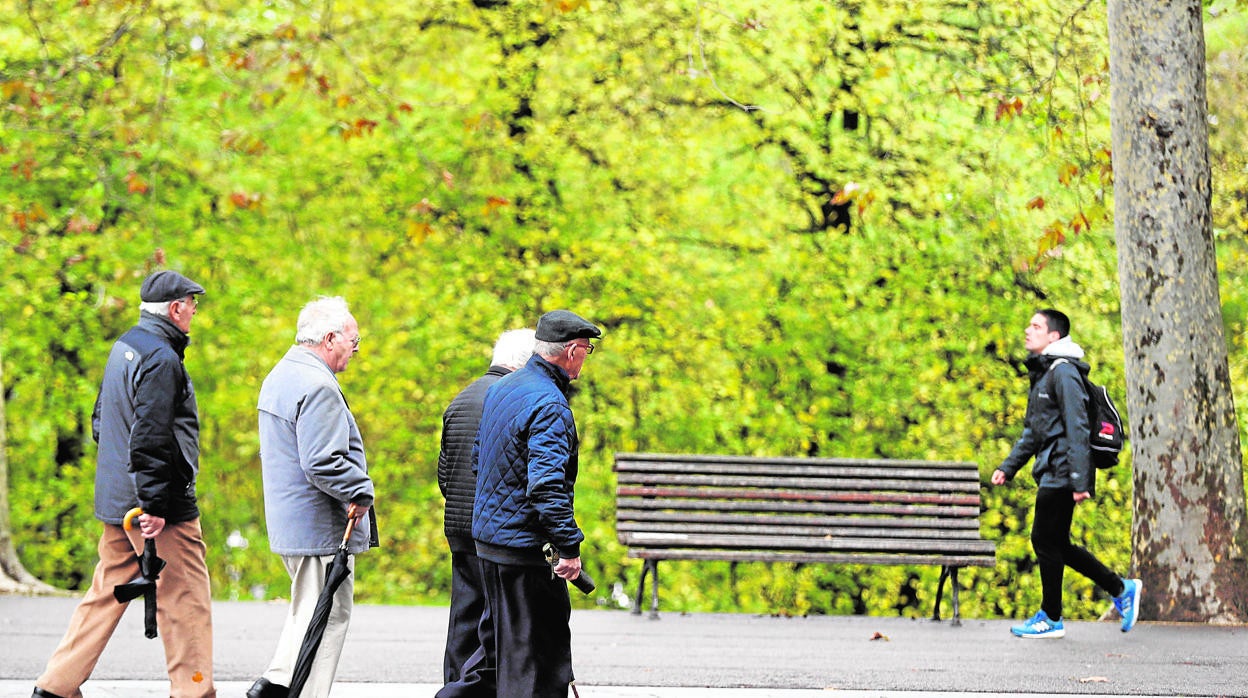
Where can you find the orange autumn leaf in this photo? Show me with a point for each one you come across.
(1067, 173)
(1035, 204)
(494, 203)
(135, 184)
(864, 201)
(1009, 108)
(418, 231)
(79, 223)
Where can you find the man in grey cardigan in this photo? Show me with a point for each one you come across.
(313, 464)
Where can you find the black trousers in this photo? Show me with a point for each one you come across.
(1050, 538)
(526, 645)
(533, 643)
(464, 630)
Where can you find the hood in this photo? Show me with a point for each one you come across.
(1064, 347)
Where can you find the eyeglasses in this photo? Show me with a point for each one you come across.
(190, 300)
(589, 348)
(355, 343)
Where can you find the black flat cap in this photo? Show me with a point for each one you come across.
(563, 326)
(166, 285)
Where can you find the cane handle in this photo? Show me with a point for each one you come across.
(125, 522)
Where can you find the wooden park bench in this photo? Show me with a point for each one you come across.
(803, 510)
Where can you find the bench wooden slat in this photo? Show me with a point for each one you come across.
(633, 471)
(858, 482)
(698, 461)
(931, 546)
(626, 516)
(799, 495)
(866, 508)
(803, 557)
(746, 528)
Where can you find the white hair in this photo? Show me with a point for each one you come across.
(320, 317)
(513, 348)
(549, 349)
(161, 309)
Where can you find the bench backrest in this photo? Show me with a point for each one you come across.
(799, 508)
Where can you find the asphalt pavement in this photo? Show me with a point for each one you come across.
(395, 651)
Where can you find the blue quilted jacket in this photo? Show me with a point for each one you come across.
(526, 463)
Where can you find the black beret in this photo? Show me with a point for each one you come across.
(165, 286)
(563, 326)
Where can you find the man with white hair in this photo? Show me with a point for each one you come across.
(312, 460)
(146, 423)
(464, 659)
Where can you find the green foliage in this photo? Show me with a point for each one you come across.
(845, 271)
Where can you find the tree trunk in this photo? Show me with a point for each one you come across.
(1189, 535)
(13, 576)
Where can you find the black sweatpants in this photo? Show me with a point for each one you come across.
(1050, 538)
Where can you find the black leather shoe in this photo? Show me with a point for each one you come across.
(263, 689)
(40, 693)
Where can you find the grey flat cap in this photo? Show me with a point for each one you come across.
(164, 286)
(563, 326)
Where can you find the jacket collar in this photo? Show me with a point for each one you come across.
(302, 355)
(163, 327)
(558, 375)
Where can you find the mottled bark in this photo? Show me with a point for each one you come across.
(1189, 533)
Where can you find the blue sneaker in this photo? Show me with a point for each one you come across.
(1040, 626)
(1128, 602)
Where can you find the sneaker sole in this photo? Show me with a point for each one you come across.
(1051, 635)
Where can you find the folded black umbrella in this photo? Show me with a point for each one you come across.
(145, 584)
(335, 574)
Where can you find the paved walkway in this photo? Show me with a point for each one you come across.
(396, 651)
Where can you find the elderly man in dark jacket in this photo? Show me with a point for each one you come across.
(526, 456)
(458, 482)
(1056, 434)
(146, 423)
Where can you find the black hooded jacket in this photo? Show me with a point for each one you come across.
(1055, 430)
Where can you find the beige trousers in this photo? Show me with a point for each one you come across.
(183, 615)
(307, 579)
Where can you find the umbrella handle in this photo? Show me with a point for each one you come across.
(353, 514)
(125, 521)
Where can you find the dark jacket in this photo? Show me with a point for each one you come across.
(146, 423)
(526, 456)
(455, 475)
(1055, 430)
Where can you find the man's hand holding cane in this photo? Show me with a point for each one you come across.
(569, 569)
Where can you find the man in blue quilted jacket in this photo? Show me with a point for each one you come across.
(526, 458)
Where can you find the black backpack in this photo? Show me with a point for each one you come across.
(1107, 436)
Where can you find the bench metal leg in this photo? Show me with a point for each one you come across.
(950, 573)
(651, 567)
